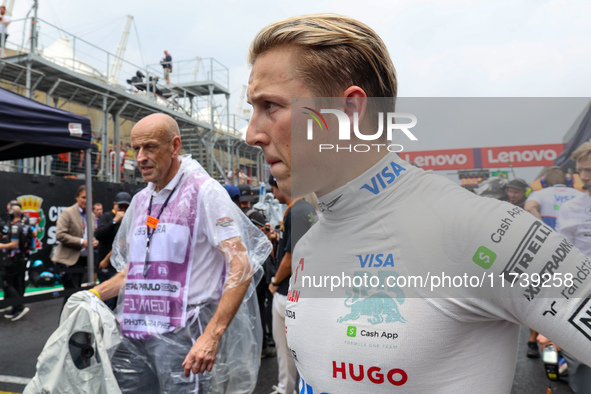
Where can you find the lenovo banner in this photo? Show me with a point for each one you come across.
(450, 159)
(521, 156)
(492, 157)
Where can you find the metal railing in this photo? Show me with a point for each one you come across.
(75, 53)
(196, 70)
(79, 55)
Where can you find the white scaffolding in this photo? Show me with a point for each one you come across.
(71, 70)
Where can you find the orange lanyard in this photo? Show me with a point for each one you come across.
(152, 222)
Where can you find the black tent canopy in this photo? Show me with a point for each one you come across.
(29, 128)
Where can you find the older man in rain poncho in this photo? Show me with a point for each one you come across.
(187, 257)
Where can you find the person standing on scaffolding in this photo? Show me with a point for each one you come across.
(167, 66)
(4, 22)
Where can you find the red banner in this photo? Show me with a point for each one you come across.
(491, 157)
(521, 156)
(449, 159)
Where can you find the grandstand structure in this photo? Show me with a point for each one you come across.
(52, 66)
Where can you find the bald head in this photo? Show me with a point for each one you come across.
(157, 144)
(160, 125)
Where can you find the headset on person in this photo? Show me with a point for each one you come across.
(569, 181)
(569, 178)
(528, 191)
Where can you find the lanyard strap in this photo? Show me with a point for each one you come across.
(152, 223)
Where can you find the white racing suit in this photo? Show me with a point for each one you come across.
(451, 276)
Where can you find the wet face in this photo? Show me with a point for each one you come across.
(282, 125)
(515, 195)
(272, 85)
(81, 200)
(155, 150)
(584, 170)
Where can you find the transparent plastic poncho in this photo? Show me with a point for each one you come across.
(202, 246)
(75, 358)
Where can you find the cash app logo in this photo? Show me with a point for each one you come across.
(484, 257)
(351, 331)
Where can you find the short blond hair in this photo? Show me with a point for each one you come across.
(555, 176)
(334, 53)
(581, 152)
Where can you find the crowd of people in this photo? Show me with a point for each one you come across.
(566, 210)
(187, 258)
(558, 205)
(72, 164)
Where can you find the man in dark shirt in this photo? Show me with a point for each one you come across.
(105, 232)
(264, 297)
(4, 237)
(245, 202)
(297, 220)
(16, 264)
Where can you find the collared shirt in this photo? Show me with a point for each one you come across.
(168, 188)
(183, 266)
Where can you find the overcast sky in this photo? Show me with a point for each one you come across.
(444, 48)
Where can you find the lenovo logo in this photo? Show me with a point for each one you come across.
(441, 160)
(518, 156)
(358, 373)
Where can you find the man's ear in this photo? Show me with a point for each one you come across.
(176, 146)
(355, 102)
